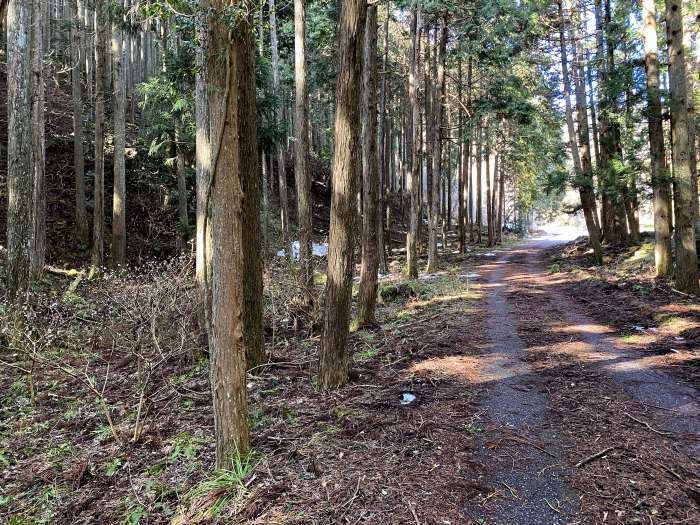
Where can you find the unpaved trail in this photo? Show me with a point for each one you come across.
(560, 385)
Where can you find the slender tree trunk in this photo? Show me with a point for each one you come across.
(489, 199)
(414, 179)
(281, 164)
(461, 182)
(119, 115)
(367, 299)
(38, 162)
(582, 159)
(479, 207)
(203, 165)
(438, 111)
(20, 180)
(301, 145)
(235, 226)
(81, 220)
(98, 190)
(686, 274)
(334, 360)
(660, 176)
(384, 146)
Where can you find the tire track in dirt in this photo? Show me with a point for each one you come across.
(520, 449)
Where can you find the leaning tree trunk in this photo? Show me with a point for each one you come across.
(333, 363)
(367, 299)
(686, 274)
(301, 157)
(660, 176)
(118, 252)
(414, 179)
(98, 216)
(235, 225)
(38, 98)
(20, 180)
(584, 176)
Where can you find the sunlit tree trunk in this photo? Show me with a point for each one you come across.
(118, 252)
(334, 361)
(301, 156)
(686, 273)
(413, 183)
(203, 166)
(582, 160)
(660, 176)
(235, 224)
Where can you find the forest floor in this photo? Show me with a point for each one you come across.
(514, 386)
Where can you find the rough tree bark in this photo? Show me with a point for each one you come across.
(203, 165)
(367, 299)
(38, 152)
(98, 214)
(660, 176)
(438, 111)
(281, 165)
(414, 179)
(686, 274)
(334, 362)
(77, 59)
(235, 222)
(118, 252)
(301, 157)
(584, 177)
(384, 147)
(20, 181)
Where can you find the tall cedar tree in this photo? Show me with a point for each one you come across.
(660, 178)
(235, 223)
(20, 182)
(301, 156)
(370, 169)
(98, 214)
(334, 362)
(686, 274)
(414, 178)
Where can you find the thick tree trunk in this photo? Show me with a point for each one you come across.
(660, 176)
(118, 252)
(413, 185)
(686, 274)
(81, 220)
(367, 298)
(281, 164)
(20, 179)
(98, 210)
(235, 227)
(301, 146)
(334, 359)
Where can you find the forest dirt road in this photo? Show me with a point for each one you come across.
(576, 428)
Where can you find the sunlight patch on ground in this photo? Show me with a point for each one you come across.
(582, 329)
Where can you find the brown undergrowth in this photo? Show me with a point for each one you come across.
(105, 413)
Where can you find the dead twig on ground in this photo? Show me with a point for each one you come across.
(595, 456)
(648, 426)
